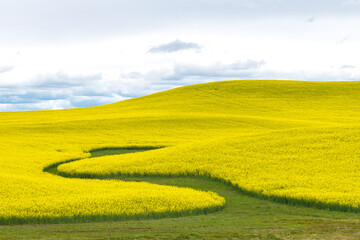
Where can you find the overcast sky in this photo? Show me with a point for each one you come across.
(73, 53)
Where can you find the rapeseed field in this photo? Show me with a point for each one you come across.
(290, 141)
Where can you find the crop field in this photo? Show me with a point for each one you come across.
(242, 155)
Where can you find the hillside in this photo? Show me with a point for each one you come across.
(289, 141)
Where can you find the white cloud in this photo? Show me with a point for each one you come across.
(345, 38)
(4, 69)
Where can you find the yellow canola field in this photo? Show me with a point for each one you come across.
(287, 140)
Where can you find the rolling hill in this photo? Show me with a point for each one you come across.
(288, 141)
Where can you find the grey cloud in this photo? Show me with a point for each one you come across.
(217, 70)
(61, 90)
(347, 66)
(30, 95)
(174, 46)
(132, 75)
(185, 74)
(4, 69)
(249, 64)
(310, 20)
(62, 80)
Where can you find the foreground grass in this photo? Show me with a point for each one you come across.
(243, 217)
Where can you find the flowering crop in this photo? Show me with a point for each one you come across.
(295, 142)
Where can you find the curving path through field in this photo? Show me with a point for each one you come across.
(53, 169)
(175, 180)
